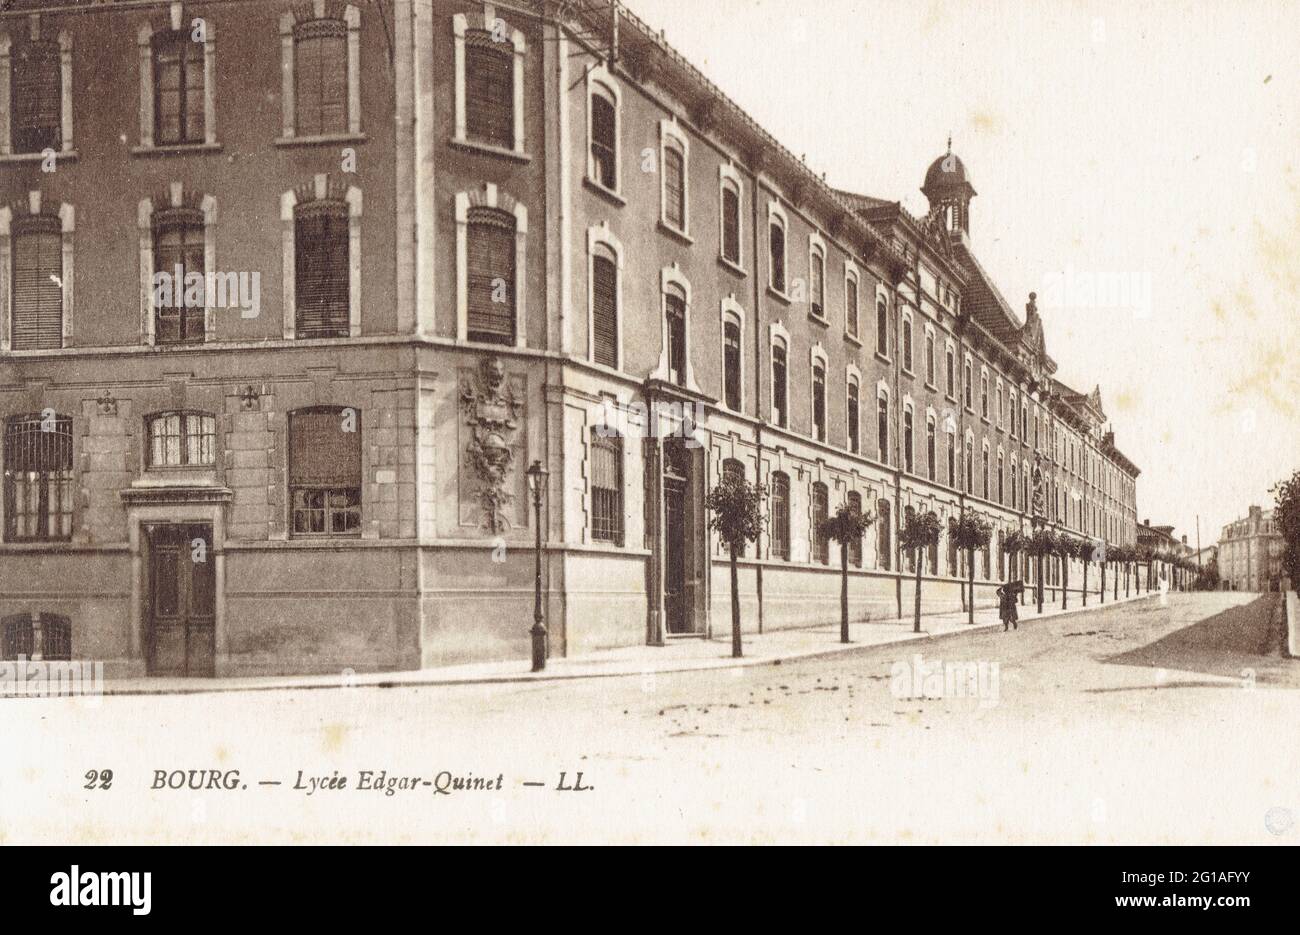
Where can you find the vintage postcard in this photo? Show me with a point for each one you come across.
(649, 422)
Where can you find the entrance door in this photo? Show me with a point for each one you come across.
(675, 609)
(181, 611)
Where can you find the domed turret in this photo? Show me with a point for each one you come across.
(948, 189)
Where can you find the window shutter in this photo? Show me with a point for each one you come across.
(37, 298)
(491, 258)
(321, 77)
(37, 97)
(321, 269)
(604, 311)
(321, 453)
(489, 90)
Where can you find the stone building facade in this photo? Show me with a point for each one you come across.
(1250, 554)
(465, 237)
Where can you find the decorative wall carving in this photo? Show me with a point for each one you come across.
(492, 412)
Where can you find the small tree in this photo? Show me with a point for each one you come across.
(1041, 542)
(1088, 551)
(971, 532)
(846, 527)
(1286, 518)
(1013, 544)
(1117, 556)
(734, 514)
(1103, 558)
(920, 532)
(1067, 547)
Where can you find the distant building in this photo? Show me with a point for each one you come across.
(1162, 541)
(1250, 554)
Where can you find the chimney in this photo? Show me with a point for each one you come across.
(1147, 523)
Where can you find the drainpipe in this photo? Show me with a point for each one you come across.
(758, 380)
(898, 450)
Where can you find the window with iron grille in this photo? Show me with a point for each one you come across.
(604, 129)
(606, 486)
(37, 283)
(182, 439)
(489, 90)
(26, 635)
(320, 74)
(604, 307)
(731, 224)
(853, 417)
(178, 251)
(178, 89)
(884, 535)
(38, 479)
(820, 513)
(36, 97)
(731, 364)
(321, 269)
(854, 500)
(325, 471)
(779, 506)
(491, 271)
(819, 402)
(674, 188)
(779, 411)
(675, 309)
(776, 251)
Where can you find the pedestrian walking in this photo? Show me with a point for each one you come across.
(1007, 595)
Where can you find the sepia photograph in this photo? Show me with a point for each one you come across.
(651, 422)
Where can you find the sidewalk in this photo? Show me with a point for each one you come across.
(684, 655)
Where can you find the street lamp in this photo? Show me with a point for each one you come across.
(537, 485)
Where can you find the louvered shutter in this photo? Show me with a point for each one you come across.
(321, 453)
(321, 288)
(37, 94)
(321, 77)
(489, 90)
(604, 311)
(37, 289)
(491, 269)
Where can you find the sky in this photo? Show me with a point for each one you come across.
(1136, 164)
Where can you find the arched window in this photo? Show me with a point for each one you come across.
(1015, 486)
(178, 89)
(325, 471)
(908, 446)
(320, 73)
(929, 447)
(491, 274)
(182, 439)
(984, 395)
(882, 427)
(969, 390)
(884, 535)
(178, 254)
(731, 222)
(907, 344)
(851, 303)
(489, 89)
(321, 269)
(731, 362)
(882, 327)
(852, 414)
(675, 310)
(674, 186)
(819, 401)
(817, 285)
(952, 459)
(950, 359)
(776, 253)
(984, 467)
(780, 411)
(929, 359)
(37, 302)
(38, 478)
(604, 138)
(779, 507)
(854, 501)
(1000, 488)
(604, 306)
(820, 513)
(606, 485)
(36, 91)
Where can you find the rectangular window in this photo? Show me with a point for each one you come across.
(820, 513)
(178, 439)
(604, 124)
(604, 311)
(178, 89)
(731, 365)
(37, 290)
(818, 285)
(731, 225)
(780, 516)
(882, 428)
(178, 244)
(819, 402)
(36, 98)
(321, 270)
(851, 306)
(907, 440)
(675, 306)
(674, 189)
(606, 488)
(38, 479)
(325, 471)
(776, 252)
(779, 411)
(854, 500)
(489, 90)
(853, 418)
(491, 273)
(320, 74)
(884, 536)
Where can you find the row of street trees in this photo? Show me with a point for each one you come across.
(735, 514)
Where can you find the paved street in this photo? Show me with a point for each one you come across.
(1143, 723)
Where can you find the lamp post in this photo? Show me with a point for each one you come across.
(537, 485)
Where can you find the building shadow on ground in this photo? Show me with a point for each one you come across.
(1239, 638)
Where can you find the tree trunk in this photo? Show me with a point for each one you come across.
(1085, 584)
(970, 607)
(1039, 589)
(1065, 582)
(1128, 573)
(1116, 577)
(844, 592)
(916, 618)
(736, 652)
(1020, 570)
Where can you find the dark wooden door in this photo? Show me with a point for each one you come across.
(675, 610)
(181, 633)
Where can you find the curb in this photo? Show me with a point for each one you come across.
(417, 681)
(1291, 624)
